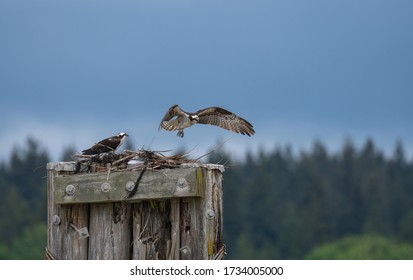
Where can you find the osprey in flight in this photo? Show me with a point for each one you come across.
(106, 145)
(177, 119)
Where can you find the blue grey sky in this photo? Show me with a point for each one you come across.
(74, 72)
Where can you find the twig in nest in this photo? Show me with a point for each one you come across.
(151, 159)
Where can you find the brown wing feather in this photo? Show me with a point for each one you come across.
(104, 146)
(225, 119)
(167, 123)
(172, 112)
(170, 125)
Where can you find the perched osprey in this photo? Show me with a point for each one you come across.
(106, 145)
(177, 119)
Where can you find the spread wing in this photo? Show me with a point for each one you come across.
(170, 125)
(170, 120)
(225, 119)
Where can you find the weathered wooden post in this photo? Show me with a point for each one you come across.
(176, 213)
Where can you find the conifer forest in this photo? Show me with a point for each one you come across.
(355, 203)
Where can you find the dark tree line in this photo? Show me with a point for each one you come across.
(23, 203)
(277, 205)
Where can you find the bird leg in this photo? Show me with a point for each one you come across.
(180, 133)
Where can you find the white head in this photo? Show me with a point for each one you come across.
(194, 118)
(123, 136)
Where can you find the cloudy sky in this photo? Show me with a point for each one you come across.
(74, 72)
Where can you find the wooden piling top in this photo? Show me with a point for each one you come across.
(175, 213)
(112, 186)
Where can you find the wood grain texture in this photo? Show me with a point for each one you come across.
(151, 227)
(152, 230)
(109, 228)
(104, 187)
(63, 241)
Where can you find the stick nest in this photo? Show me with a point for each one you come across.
(135, 160)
